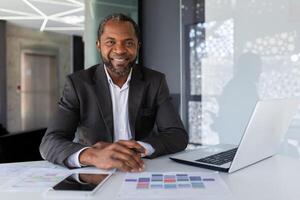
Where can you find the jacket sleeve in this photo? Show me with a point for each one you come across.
(57, 144)
(170, 136)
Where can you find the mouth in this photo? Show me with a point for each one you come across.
(119, 61)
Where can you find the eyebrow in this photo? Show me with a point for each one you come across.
(111, 38)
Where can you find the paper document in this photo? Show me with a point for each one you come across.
(36, 179)
(37, 176)
(9, 171)
(172, 185)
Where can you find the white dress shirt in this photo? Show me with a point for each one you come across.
(119, 97)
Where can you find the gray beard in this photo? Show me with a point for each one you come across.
(122, 73)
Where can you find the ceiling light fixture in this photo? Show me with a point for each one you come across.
(62, 17)
(64, 28)
(76, 2)
(73, 19)
(40, 12)
(56, 2)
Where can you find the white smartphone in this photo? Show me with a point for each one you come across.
(78, 185)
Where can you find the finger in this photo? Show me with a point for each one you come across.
(101, 145)
(124, 166)
(129, 143)
(127, 159)
(132, 144)
(122, 149)
(121, 165)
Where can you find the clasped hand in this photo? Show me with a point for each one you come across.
(124, 155)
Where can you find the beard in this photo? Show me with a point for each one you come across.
(120, 72)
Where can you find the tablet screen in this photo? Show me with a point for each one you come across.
(81, 182)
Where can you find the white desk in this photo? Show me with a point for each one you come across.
(276, 178)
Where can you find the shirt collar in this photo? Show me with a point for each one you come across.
(111, 81)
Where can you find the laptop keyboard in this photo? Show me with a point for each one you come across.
(220, 158)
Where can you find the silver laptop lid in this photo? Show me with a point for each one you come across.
(264, 132)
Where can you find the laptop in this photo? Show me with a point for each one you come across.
(263, 134)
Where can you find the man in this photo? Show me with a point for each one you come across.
(113, 108)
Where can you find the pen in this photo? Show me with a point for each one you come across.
(138, 150)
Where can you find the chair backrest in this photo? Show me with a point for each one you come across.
(20, 147)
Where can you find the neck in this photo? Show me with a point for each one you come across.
(116, 78)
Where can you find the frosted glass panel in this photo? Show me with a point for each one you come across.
(195, 121)
(242, 51)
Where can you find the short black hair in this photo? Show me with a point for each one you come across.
(121, 18)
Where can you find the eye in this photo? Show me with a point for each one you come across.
(129, 43)
(110, 43)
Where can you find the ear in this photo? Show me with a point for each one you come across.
(139, 46)
(98, 45)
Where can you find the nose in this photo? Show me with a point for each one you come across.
(119, 48)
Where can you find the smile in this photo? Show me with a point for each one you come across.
(119, 59)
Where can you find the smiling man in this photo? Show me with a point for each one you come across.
(113, 114)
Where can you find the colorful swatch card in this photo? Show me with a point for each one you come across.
(172, 184)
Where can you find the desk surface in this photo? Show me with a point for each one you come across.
(275, 178)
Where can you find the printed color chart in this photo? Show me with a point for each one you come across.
(168, 184)
(164, 181)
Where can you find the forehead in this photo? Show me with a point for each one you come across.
(117, 29)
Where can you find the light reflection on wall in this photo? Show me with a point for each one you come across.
(259, 7)
(276, 45)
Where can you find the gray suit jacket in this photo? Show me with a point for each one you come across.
(85, 114)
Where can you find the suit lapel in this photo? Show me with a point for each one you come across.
(136, 91)
(103, 96)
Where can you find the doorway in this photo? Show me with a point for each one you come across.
(39, 89)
